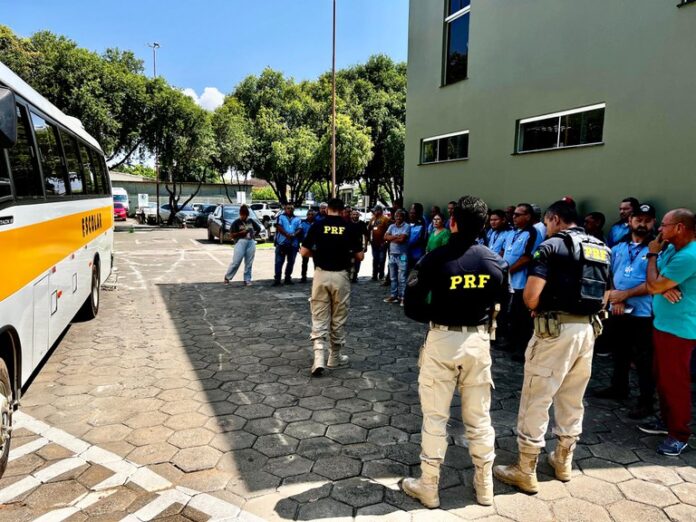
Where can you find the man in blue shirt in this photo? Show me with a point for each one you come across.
(518, 252)
(672, 281)
(288, 234)
(620, 229)
(630, 325)
(306, 225)
(398, 234)
(498, 232)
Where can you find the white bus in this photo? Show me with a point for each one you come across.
(56, 234)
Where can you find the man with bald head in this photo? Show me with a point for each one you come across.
(672, 281)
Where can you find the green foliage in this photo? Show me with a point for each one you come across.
(139, 170)
(263, 194)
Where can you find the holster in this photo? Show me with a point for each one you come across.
(547, 326)
(597, 325)
(494, 323)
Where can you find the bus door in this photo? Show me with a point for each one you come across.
(42, 305)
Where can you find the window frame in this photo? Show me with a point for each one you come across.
(25, 110)
(437, 140)
(448, 19)
(55, 128)
(558, 115)
(5, 160)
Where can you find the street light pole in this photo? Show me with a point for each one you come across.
(333, 108)
(154, 47)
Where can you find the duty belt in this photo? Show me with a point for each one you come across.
(563, 317)
(470, 329)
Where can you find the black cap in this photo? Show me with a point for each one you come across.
(645, 209)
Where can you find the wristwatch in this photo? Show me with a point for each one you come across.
(651, 254)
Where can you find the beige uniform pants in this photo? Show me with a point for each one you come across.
(461, 359)
(556, 371)
(329, 302)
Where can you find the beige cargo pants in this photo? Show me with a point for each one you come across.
(452, 359)
(330, 302)
(556, 371)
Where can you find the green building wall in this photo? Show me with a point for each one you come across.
(533, 57)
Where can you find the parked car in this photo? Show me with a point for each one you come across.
(147, 214)
(203, 213)
(220, 221)
(186, 215)
(120, 196)
(120, 212)
(265, 211)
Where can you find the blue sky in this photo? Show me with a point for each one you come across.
(215, 43)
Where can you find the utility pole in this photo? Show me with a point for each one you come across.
(333, 108)
(154, 47)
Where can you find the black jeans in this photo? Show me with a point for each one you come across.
(631, 339)
(521, 324)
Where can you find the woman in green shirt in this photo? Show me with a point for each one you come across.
(439, 236)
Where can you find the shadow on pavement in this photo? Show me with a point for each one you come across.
(308, 448)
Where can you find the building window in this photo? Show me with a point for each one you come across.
(456, 40)
(574, 128)
(448, 147)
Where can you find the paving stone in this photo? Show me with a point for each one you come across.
(604, 470)
(146, 419)
(647, 493)
(292, 414)
(254, 411)
(108, 433)
(184, 421)
(357, 492)
(318, 447)
(317, 403)
(353, 405)
(576, 510)
(370, 420)
(385, 471)
(686, 493)
(288, 465)
(655, 474)
(225, 423)
(614, 453)
(276, 445)
(408, 453)
(54, 495)
(191, 438)
(149, 435)
(179, 407)
(325, 508)
(523, 508)
(386, 435)
(681, 513)
(593, 490)
(337, 468)
(54, 452)
(391, 407)
(196, 459)
(459, 501)
(338, 392)
(365, 451)
(205, 481)
(242, 461)
(628, 511)
(331, 417)
(407, 422)
(305, 429)
(347, 433)
(152, 453)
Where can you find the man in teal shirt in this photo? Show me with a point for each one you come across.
(672, 281)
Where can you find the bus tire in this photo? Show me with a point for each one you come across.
(5, 416)
(90, 308)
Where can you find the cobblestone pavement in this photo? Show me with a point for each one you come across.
(189, 400)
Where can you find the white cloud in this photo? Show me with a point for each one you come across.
(210, 100)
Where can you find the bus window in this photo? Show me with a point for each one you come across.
(5, 185)
(87, 170)
(25, 173)
(72, 160)
(100, 166)
(50, 156)
(96, 170)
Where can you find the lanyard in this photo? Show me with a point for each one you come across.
(633, 253)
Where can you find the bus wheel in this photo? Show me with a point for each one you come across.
(5, 416)
(90, 308)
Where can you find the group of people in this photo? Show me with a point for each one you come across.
(552, 282)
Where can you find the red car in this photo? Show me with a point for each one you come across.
(120, 212)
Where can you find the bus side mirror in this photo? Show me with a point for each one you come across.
(8, 118)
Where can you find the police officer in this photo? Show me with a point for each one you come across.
(565, 291)
(454, 288)
(333, 244)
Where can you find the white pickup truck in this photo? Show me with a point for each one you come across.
(265, 211)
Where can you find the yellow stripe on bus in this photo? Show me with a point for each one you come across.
(27, 252)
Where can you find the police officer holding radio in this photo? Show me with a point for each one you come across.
(333, 244)
(455, 289)
(565, 291)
